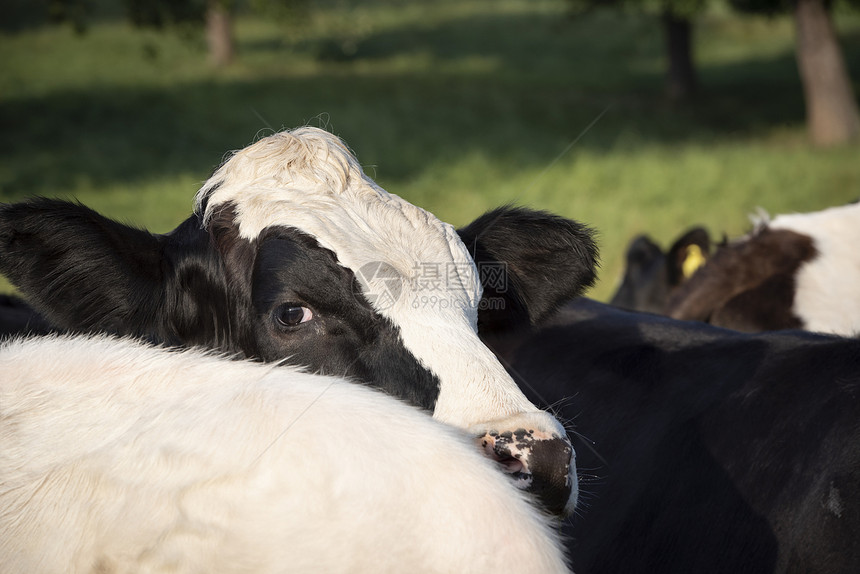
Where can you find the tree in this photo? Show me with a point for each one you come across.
(216, 14)
(219, 32)
(676, 18)
(682, 82)
(831, 107)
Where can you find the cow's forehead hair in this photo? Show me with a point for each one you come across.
(308, 179)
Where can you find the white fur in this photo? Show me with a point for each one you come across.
(827, 296)
(309, 180)
(119, 457)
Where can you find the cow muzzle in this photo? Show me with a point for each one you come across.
(539, 462)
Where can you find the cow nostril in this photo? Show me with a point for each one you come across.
(542, 466)
(496, 450)
(510, 464)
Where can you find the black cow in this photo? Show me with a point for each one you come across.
(701, 449)
(652, 276)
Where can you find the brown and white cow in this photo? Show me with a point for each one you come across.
(796, 271)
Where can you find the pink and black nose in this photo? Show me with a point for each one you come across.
(540, 462)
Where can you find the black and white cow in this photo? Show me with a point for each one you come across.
(116, 456)
(294, 254)
(702, 449)
(795, 271)
(652, 276)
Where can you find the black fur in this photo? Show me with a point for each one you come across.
(18, 318)
(701, 449)
(58, 253)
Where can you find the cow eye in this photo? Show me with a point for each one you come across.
(292, 314)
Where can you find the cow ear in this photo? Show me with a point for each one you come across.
(687, 254)
(643, 285)
(530, 263)
(82, 271)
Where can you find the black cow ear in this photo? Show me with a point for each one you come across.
(643, 252)
(687, 254)
(643, 285)
(81, 270)
(530, 263)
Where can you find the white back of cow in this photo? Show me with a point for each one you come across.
(827, 296)
(119, 457)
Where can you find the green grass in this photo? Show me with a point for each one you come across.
(458, 106)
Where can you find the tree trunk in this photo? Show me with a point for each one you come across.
(681, 81)
(831, 109)
(219, 33)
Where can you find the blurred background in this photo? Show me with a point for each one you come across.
(633, 116)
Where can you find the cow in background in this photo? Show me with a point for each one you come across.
(652, 276)
(797, 271)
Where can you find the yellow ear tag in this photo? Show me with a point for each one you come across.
(694, 259)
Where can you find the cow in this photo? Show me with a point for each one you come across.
(700, 449)
(652, 276)
(796, 271)
(117, 456)
(294, 254)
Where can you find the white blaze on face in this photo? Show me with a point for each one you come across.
(413, 268)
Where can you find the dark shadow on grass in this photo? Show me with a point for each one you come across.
(545, 46)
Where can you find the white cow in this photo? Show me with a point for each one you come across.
(120, 457)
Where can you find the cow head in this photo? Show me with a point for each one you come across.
(295, 255)
(652, 276)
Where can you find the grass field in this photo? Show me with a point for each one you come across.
(458, 106)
